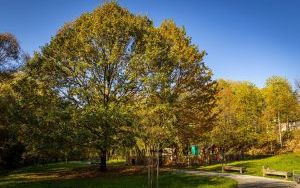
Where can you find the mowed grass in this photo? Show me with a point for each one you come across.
(61, 166)
(284, 162)
(135, 181)
(81, 174)
(40, 172)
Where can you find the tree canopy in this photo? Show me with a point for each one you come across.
(107, 61)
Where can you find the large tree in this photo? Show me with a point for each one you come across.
(94, 63)
(106, 61)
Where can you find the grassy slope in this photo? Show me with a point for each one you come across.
(62, 175)
(286, 162)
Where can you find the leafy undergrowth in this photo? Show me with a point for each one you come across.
(82, 174)
(284, 162)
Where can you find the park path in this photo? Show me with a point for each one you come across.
(248, 181)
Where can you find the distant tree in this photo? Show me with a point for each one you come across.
(240, 106)
(298, 84)
(9, 49)
(298, 88)
(281, 104)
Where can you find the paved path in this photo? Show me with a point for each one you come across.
(247, 181)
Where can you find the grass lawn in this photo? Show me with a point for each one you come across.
(81, 174)
(285, 162)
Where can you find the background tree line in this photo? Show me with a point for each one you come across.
(111, 82)
(253, 119)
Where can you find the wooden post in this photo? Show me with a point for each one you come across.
(157, 166)
(148, 172)
(152, 169)
(263, 170)
(293, 175)
(223, 160)
(149, 167)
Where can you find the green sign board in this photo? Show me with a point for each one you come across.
(195, 150)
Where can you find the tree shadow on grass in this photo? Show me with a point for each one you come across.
(167, 180)
(30, 177)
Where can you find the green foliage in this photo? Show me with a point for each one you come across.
(249, 117)
(240, 106)
(94, 63)
(111, 120)
(281, 106)
(11, 146)
(179, 93)
(279, 95)
(34, 122)
(46, 119)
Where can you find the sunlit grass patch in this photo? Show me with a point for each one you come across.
(284, 162)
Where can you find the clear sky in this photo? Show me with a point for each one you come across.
(245, 39)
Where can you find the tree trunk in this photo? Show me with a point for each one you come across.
(223, 159)
(103, 166)
(279, 130)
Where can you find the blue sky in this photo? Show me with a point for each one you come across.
(245, 39)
